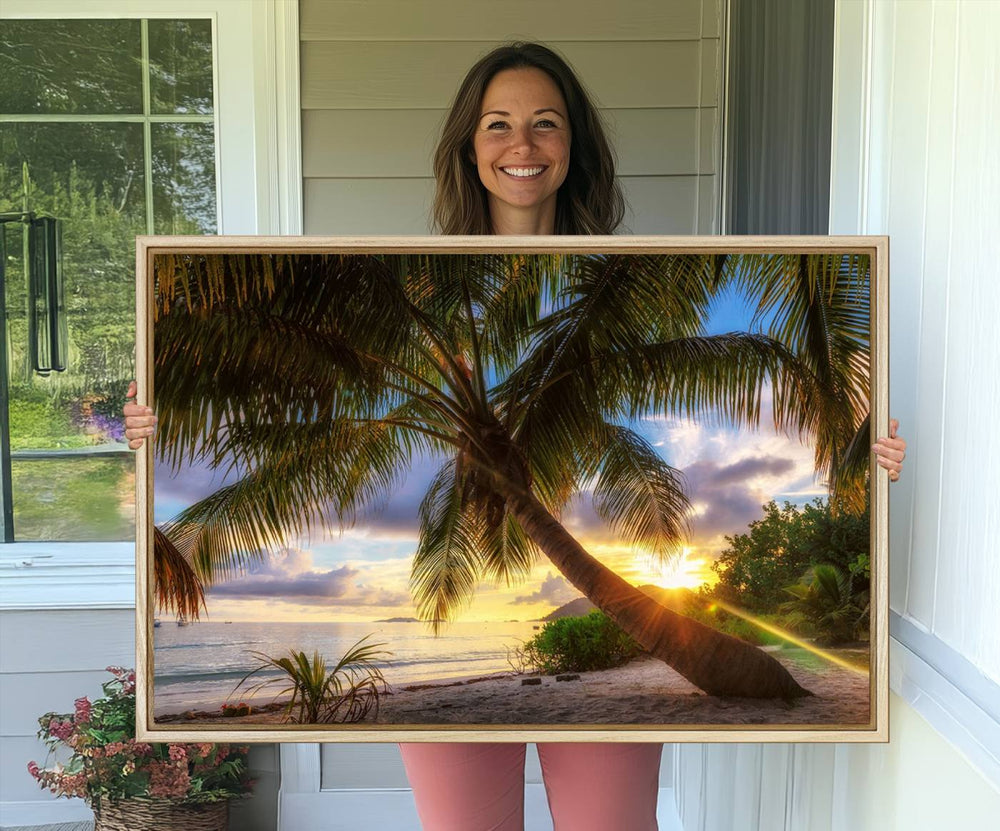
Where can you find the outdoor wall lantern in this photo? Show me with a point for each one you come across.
(47, 330)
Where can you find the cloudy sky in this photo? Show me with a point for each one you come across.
(362, 573)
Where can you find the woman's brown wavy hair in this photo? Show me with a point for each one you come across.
(590, 200)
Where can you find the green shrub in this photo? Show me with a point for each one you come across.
(825, 600)
(580, 644)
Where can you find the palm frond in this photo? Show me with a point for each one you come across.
(720, 378)
(448, 563)
(849, 479)
(175, 582)
(819, 307)
(303, 474)
(508, 553)
(639, 494)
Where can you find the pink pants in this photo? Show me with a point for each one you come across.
(600, 786)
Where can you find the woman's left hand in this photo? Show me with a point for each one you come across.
(890, 451)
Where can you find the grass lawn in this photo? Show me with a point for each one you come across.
(74, 499)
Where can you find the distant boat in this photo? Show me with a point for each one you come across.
(183, 621)
(157, 623)
(227, 621)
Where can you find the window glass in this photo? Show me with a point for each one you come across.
(70, 66)
(180, 66)
(108, 170)
(183, 179)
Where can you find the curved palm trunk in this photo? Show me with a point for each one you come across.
(717, 663)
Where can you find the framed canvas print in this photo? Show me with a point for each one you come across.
(524, 489)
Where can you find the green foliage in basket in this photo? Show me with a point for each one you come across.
(107, 763)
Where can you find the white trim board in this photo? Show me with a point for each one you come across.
(66, 575)
(969, 728)
(950, 664)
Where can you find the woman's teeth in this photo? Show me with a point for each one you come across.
(522, 171)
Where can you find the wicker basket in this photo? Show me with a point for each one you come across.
(161, 815)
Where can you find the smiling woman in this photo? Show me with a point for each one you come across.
(521, 148)
(520, 108)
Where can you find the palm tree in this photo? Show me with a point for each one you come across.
(819, 307)
(331, 373)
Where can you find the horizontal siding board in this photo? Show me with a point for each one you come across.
(372, 75)
(369, 143)
(660, 204)
(401, 143)
(28, 695)
(711, 18)
(708, 140)
(66, 641)
(652, 142)
(367, 206)
(710, 70)
(485, 20)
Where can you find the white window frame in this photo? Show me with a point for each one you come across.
(259, 191)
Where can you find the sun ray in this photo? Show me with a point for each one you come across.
(789, 637)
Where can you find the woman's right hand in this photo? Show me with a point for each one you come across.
(139, 420)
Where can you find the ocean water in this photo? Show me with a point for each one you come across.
(198, 666)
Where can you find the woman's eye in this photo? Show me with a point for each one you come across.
(496, 125)
(546, 123)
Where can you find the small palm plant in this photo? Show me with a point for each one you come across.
(346, 694)
(825, 599)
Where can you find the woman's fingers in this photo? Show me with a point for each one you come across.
(894, 449)
(140, 422)
(890, 451)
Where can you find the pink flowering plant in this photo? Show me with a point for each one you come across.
(107, 763)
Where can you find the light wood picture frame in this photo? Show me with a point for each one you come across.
(395, 475)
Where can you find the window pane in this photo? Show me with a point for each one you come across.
(70, 66)
(75, 499)
(180, 66)
(184, 179)
(91, 177)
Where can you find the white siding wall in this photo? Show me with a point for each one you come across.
(48, 658)
(916, 157)
(377, 78)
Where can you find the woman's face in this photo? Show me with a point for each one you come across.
(521, 146)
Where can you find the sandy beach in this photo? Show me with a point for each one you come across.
(644, 691)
